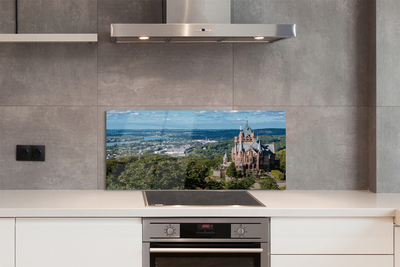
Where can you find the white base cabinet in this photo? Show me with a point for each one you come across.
(332, 260)
(332, 242)
(397, 246)
(69, 242)
(7, 244)
(332, 235)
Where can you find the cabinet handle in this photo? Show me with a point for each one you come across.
(206, 250)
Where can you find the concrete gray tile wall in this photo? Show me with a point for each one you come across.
(387, 149)
(70, 137)
(7, 16)
(388, 56)
(126, 11)
(48, 74)
(57, 16)
(165, 74)
(320, 78)
(387, 96)
(326, 146)
(325, 65)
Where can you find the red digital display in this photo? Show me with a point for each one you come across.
(205, 226)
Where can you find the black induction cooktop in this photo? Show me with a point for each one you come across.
(199, 198)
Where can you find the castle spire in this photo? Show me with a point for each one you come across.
(225, 159)
(247, 129)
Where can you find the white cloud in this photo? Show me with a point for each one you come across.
(117, 111)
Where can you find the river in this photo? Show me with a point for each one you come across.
(146, 138)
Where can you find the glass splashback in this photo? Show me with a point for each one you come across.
(196, 150)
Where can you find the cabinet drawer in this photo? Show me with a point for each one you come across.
(332, 260)
(7, 233)
(78, 242)
(332, 235)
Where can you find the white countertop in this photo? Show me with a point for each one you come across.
(27, 203)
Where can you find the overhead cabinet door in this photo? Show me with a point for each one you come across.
(78, 242)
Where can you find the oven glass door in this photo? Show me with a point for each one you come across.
(205, 254)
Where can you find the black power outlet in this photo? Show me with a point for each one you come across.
(31, 153)
(23, 152)
(38, 153)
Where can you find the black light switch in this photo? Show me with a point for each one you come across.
(31, 153)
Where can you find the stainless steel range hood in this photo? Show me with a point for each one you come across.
(188, 21)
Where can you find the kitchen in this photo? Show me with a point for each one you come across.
(336, 80)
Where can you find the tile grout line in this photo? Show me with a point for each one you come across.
(199, 106)
(97, 103)
(233, 76)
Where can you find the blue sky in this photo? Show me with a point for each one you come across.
(194, 119)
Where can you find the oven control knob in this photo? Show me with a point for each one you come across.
(170, 231)
(240, 231)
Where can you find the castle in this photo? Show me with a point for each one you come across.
(249, 153)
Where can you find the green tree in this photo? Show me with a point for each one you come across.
(196, 175)
(214, 185)
(116, 166)
(169, 175)
(150, 172)
(278, 174)
(110, 166)
(231, 171)
(244, 184)
(137, 176)
(282, 161)
(269, 184)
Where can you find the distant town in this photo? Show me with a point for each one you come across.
(168, 145)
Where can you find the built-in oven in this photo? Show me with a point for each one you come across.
(206, 242)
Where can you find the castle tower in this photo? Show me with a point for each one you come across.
(225, 160)
(249, 152)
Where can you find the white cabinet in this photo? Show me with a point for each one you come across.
(397, 246)
(66, 242)
(7, 245)
(332, 242)
(332, 260)
(332, 235)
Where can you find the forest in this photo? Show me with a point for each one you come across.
(158, 171)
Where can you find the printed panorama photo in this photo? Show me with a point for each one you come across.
(196, 150)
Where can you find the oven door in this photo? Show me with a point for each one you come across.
(180, 254)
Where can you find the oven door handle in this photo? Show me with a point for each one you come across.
(206, 250)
